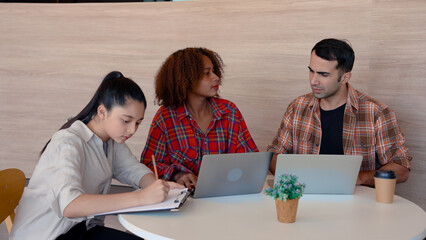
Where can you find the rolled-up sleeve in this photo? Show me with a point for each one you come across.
(157, 145)
(67, 175)
(244, 142)
(126, 167)
(283, 140)
(390, 145)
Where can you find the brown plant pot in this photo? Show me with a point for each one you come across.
(287, 210)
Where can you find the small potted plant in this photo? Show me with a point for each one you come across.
(286, 192)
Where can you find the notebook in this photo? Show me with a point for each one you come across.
(322, 174)
(175, 199)
(232, 174)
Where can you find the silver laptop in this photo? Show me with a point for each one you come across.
(232, 174)
(322, 174)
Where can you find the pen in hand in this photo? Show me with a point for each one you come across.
(170, 184)
(155, 167)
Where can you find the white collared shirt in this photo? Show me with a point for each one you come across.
(73, 163)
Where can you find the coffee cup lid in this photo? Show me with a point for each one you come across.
(387, 174)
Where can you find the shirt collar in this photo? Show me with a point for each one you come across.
(182, 112)
(83, 131)
(352, 99)
(314, 103)
(218, 108)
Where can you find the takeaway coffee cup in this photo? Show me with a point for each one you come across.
(385, 181)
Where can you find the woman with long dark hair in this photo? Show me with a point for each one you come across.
(73, 176)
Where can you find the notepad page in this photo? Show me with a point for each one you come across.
(173, 200)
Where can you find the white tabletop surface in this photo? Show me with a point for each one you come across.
(253, 216)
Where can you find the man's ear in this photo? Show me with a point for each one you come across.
(102, 112)
(346, 77)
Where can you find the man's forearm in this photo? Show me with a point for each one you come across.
(367, 178)
(273, 164)
(401, 172)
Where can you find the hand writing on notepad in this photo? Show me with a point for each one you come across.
(157, 192)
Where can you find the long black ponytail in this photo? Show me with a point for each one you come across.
(114, 90)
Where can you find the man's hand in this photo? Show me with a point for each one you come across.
(189, 180)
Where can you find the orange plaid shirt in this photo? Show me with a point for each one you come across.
(370, 129)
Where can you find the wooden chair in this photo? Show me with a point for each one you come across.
(12, 183)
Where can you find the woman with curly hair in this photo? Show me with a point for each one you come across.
(192, 119)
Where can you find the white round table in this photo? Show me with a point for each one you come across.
(253, 216)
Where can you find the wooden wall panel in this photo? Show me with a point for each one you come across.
(53, 56)
(397, 77)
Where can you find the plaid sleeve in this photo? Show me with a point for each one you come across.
(245, 142)
(390, 141)
(157, 144)
(283, 140)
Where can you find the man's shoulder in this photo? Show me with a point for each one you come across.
(300, 105)
(303, 100)
(366, 102)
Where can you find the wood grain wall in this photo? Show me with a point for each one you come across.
(53, 56)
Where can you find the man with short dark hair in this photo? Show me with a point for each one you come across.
(337, 119)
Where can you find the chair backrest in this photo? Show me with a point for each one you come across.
(12, 183)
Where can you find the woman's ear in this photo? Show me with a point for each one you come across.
(102, 112)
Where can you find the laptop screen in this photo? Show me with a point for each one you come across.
(322, 174)
(232, 174)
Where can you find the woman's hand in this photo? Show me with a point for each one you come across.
(189, 180)
(157, 191)
(88, 204)
(154, 193)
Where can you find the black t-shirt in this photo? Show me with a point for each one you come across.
(332, 128)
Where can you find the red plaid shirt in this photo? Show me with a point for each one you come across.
(178, 143)
(370, 129)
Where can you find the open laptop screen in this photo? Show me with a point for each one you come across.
(322, 174)
(232, 174)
